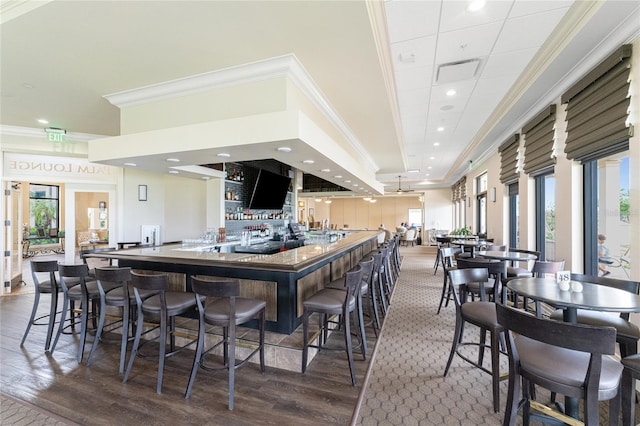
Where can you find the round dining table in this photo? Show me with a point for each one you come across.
(592, 296)
(514, 256)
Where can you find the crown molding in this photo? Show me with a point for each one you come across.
(281, 66)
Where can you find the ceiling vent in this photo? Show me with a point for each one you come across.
(457, 71)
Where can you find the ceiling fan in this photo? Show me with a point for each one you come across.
(400, 190)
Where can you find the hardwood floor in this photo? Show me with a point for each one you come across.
(95, 394)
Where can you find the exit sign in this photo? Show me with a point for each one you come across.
(56, 137)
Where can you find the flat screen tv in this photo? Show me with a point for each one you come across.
(270, 191)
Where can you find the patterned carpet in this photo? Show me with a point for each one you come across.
(405, 384)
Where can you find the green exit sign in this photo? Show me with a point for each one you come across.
(56, 137)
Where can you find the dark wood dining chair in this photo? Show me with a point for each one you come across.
(448, 261)
(481, 314)
(570, 359)
(43, 273)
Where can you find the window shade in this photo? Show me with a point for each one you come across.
(509, 159)
(459, 189)
(538, 142)
(597, 110)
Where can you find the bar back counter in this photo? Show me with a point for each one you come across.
(283, 280)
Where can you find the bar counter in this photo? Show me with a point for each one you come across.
(284, 280)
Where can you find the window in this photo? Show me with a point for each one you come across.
(514, 215)
(607, 212)
(546, 216)
(44, 211)
(481, 197)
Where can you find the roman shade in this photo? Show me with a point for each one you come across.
(597, 110)
(509, 159)
(538, 133)
(459, 189)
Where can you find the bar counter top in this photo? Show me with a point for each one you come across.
(292, 260)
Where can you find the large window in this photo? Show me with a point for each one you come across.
(607, 209)
(481, 198)
(44, 204)
(546, 216)
(514, 215)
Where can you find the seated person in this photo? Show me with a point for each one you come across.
(603, 256)
(401, 229)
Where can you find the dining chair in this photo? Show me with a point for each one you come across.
(448, 261)
(627, 333)
(43, 273)
(481, 314)
(219, 304)
(497, 272)
(441, 242)
(517, 271)
(570, 359)
(327, 302)
(630, 374)
(154, 302)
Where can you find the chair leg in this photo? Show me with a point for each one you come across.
(83, 327)
(103, 308)
(454, 346)
(36, 301)
(445, 292)
(162, 351)
(196, 358)
(374, 306)
(262, 318)
(495, 369)
(348, 347)
(305, 339)
(614, 409)
(628, 398)
(232, 361)
(363, 337)
(136, 343)
(513, 396)
(125, 336)
(63, 317)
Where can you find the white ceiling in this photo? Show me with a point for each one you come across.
(376, 64)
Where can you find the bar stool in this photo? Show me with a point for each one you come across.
(118, 297)
(44, 286)
(227, 311)
(630, 373)
(333, 302)
(86, 290)
(157, 303)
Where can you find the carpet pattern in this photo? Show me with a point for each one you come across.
(405, 383)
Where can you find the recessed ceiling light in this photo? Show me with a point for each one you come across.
(355, 184)
(451, 92)
(206, 177)
(173, 160)
(174, 172)
(325, 170)
(440, 129)
(436, 144)
(347, 181)
(43, 121)
(367, 198)
(338, 176)
(317, 200)
(429, 168)
(413, 171)
(284, 149)
(308, 161)
(373, 200)
(130, 164)
(427, 174)
(476, 5)
(27, 85)
(432, 158)
(223, 154)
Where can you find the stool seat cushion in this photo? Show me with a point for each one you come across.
(480, 313)
(218, 311)
(623, 327)
(329, 300)
(566, 366)
(115, 296)
(177, 302)
(45, 286)
(75, 292)
(516, 272)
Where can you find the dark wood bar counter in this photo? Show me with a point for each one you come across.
(284, 280)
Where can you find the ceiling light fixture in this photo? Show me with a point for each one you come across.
(367, 198)
(440, 129)
(318, 200)
(413, 171)
(308, 161)
(43, 121)
(436, 144)
(373, 200)
(327, 201)
(347, 181)
(338, 176)
(284, 149)
(223, 154)
(451, 92)
(173, 160)
(130, 164)
(174, 172)
(476, 5)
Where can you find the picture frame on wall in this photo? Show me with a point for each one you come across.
(142, 192)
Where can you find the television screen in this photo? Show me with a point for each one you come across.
(270, 191)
